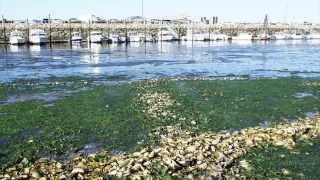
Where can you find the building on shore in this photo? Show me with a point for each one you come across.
(90, 18)
(136, 19)
(206, 20)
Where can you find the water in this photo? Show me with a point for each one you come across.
(158, 60)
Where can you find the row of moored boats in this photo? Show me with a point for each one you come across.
(38, 36)
(199, 36)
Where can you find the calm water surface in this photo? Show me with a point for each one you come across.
(158, 60)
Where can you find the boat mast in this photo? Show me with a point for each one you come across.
(142, 8)
(318, 11)
(2, 18)
(144, 20)
(266, 24)
(4, 29)
(286, 7)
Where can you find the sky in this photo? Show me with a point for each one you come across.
(226, 10)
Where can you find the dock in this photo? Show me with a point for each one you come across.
(61, 32)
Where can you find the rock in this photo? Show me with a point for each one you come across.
(171, 164)
(77, 171)
(191, 149)
(215, 142)
(141, 160)
(62, 177)
(136, 167)
(183, 163)
(218, 156)
(35, 174)
(113, 173)
(81, 165)
(22, 177)
(24, 161)
(80, 177)
(152, 154)
(147, 164)
(245, 165)
(190, 176)
(249, 142)
(123, 163)
(203, 166)
(200, 157)
(285, 172)
(136, 154)
(26, 170)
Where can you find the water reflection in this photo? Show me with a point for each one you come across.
(76, 45)
(14, 48)
(95, 48)
(36, 48)
(156, 60)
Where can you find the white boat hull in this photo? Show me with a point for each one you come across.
(296, 37)
(201, 37)
(118, 39)
(135, 38)
(37, 40)
(236, 38)
(95, 39)
(122, 39)
(218, 37)
(76, 39)
(17, 40)
(263, 37)
(147, 39)
(114, 39)
(166, 38)
(315, 36)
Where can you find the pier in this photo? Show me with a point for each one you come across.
(61, 32)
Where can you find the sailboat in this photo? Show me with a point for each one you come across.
(264, 36)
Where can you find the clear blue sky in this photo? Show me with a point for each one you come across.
(227, 10)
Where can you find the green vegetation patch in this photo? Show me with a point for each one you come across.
(302, 162)
(103, 117)
(110, 116)
(223, 105)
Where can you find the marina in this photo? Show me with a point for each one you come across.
(183, 90)
(164, 31)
